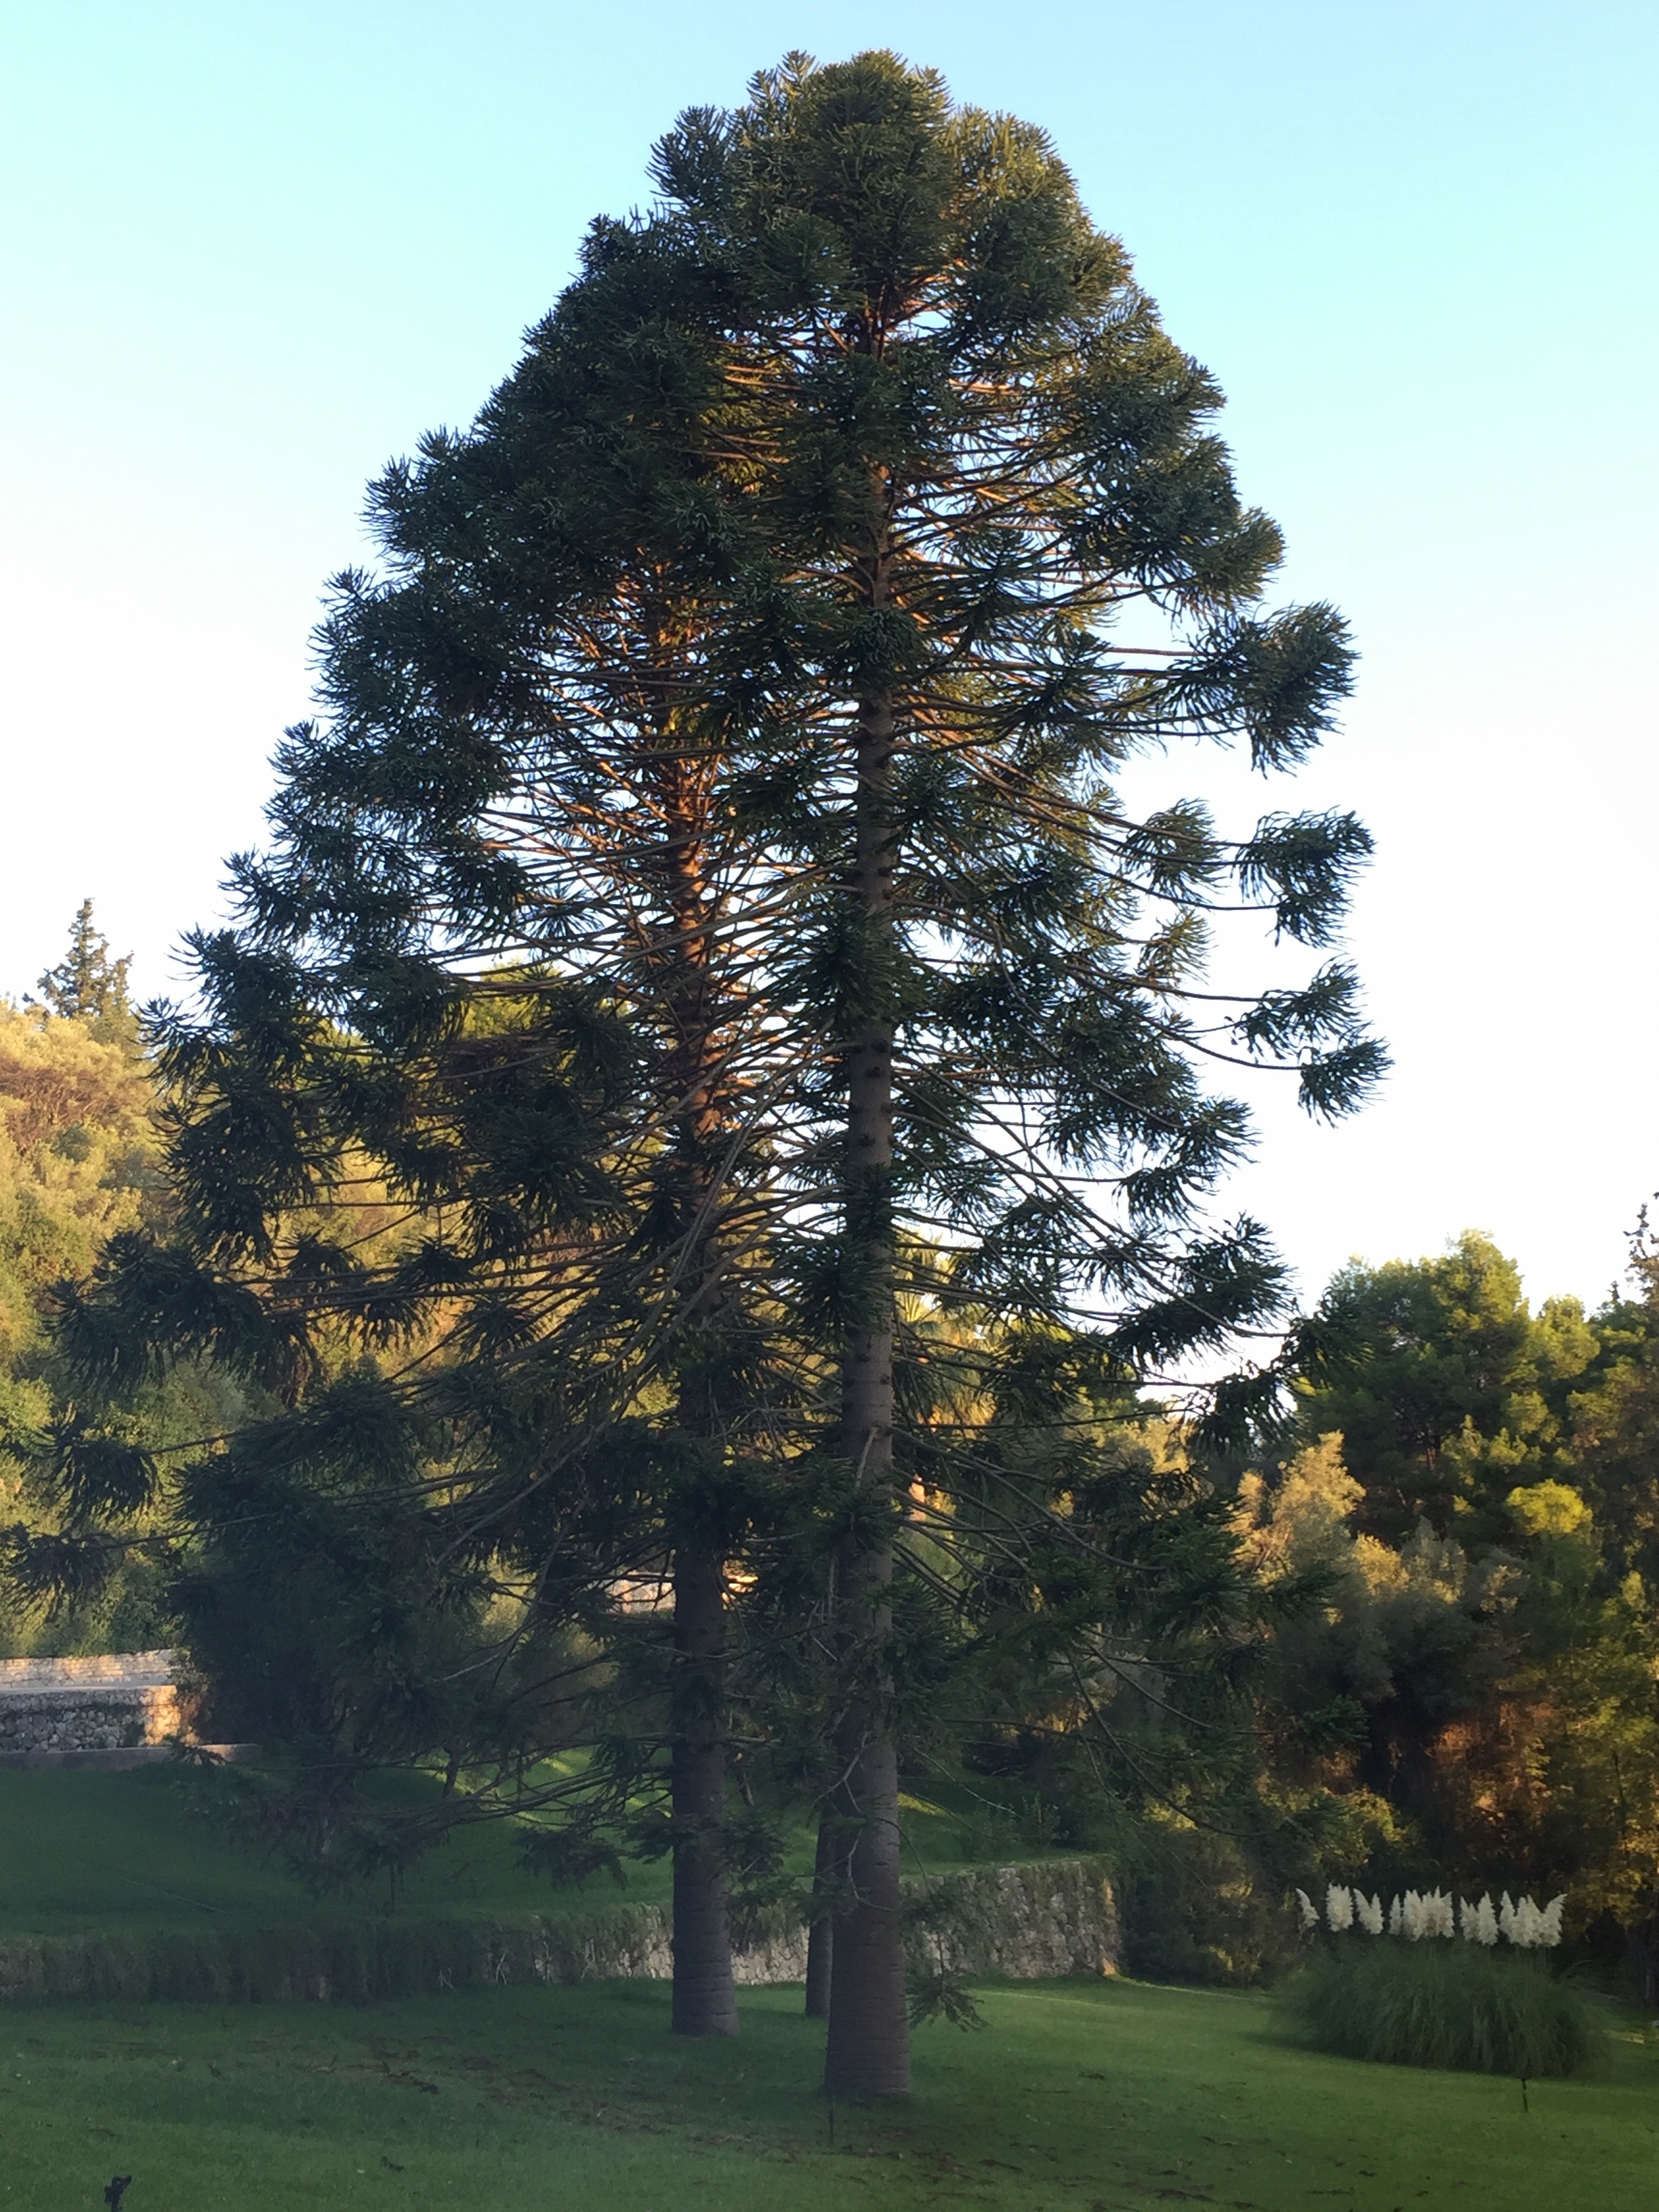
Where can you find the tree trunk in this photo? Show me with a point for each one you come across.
(868, 2052)
(705, 2000)
(821, 1935)
(869, 2041)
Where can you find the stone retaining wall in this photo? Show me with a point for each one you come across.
(1014, 1922)
(1024, 1922)
(96, 1704)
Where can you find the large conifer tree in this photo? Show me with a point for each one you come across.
(538, 716)
(516, 813)
(540, 701)
(975, 453)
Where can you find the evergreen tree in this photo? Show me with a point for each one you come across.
(519, 806)
(1613, 1415)
(560, 628)
(975, 452)
(1475, 1691)
(88, 986)
(81, 1161)
(1447, 1390)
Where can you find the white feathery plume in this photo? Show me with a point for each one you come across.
(1368, 1911)
(1469, 1921)
(1310, 1912)
(1486, 1922)
(1414, 1916)
(1506, 1918)
(1549, 1922)
(1339, 1908)
(1396, 1918)
(1529, 1924)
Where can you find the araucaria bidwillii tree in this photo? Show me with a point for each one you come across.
(517, 816)
(975, 453)
(537, 718)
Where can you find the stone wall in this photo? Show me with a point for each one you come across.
(1012, 1922)
(1021, 1923)
(98, 1703)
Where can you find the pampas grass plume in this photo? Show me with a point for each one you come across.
(1434, 1912)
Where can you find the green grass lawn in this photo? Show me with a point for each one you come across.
(1082, 2098)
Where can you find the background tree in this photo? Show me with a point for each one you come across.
(81, 1160)
(1613, 1417)
(1475, 1689)
(1447, 1392)
(87, 985)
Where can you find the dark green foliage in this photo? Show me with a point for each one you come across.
(1198, 1907)
(1471, 1702)
(1444, 2004)
(1447, 1391)
(939, 1920)
(1613, 1411)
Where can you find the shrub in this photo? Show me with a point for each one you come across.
(1195, 1909)
(1455, 2005)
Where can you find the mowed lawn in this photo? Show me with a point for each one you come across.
(1084, 2098)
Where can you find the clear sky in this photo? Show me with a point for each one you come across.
(251, 249)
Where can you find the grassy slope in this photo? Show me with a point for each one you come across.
(83, 1852)
(1077, 2098)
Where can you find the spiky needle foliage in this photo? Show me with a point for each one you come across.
(976, 455)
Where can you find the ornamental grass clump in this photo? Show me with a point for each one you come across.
(1433, 2000)
(1463, 2006)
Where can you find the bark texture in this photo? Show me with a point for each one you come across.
(704, 1999)
(868, 2050)
(821, 1935)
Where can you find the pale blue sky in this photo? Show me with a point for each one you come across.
(250, 250)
